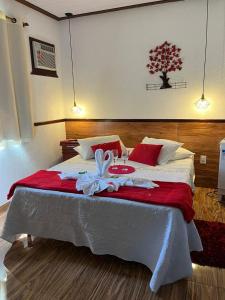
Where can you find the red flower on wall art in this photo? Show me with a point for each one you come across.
(164, 58)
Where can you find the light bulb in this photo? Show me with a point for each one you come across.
(77, 110)
(202, 104)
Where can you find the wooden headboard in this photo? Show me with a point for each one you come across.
(201, 137)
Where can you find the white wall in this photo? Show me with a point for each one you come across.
(17, 161)
(111, 52)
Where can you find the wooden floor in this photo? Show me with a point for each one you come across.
(54, 270)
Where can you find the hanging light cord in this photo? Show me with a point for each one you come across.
(72, 63)
(206, 45)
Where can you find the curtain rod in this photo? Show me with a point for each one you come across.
(14, 20)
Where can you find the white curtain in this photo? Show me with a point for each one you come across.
(15, 94)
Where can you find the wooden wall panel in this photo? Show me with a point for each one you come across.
(130, 132)
(198, 136)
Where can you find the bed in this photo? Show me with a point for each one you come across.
(154, 235)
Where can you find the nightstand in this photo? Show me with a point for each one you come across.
(67, 148)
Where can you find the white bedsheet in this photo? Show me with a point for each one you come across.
(154, 235)
(175, 171)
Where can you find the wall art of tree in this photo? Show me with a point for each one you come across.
(165, 58)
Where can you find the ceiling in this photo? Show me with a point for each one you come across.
(59, 7)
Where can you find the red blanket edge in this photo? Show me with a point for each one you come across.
(178, 195)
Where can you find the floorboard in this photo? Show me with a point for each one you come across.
(53, 270)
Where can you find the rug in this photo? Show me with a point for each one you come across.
(213, 240)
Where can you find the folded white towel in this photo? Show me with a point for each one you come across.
(102, 164)
(99, 156)
(90, 184)
(107, 162)
(71, 175)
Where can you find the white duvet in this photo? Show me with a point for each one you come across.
(156, 236)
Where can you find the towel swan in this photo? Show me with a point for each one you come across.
(102, 163)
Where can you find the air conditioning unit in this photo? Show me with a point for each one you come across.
(44, 56)
(221, 176)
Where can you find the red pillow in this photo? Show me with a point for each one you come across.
(146, 154)
(108, 146)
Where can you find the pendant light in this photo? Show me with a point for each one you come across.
(202, 104)
(76, 109)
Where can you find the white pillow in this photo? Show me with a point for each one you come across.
(182, 153)
(167, 151)
(85, 144)
(79, 150)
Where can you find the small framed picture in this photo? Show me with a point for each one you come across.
(43, 58)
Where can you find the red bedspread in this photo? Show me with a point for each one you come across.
(173, 194)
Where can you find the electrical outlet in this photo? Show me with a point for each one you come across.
(203, 159)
